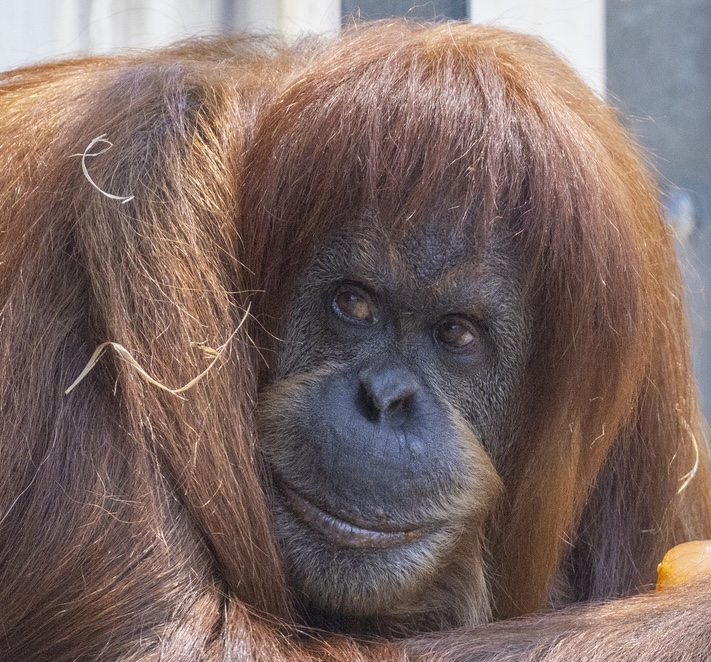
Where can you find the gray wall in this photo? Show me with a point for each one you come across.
(429, 9)
(659, 74)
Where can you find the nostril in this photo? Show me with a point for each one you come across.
(386, 391)
(398, 404)
(367, 403)
(386, 401)
(394, 401)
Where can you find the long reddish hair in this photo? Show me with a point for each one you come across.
(397, 122)
(126, 513)
(134, 523)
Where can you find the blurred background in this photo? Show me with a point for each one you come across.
(650, 58)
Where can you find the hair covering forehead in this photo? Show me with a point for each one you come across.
(398, 123)
(405, 121)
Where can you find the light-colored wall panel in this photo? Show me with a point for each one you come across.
(290, 17)
(575, 28)
(34, 30)
(42, 29)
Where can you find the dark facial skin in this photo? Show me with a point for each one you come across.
(399, 366)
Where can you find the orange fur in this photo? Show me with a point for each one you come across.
(134, 524)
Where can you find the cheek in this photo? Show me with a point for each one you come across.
(491, 401)
(304, 342)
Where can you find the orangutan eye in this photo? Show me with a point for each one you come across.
(456, 334)
(353, 305)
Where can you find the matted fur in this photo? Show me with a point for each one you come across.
(134, 524)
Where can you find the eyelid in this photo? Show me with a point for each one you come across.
(475, 327)
(361, 291)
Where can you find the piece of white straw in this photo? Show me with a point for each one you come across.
(100, 139)
(126, 356)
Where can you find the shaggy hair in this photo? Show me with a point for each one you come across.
(134, 523)
(409, 120)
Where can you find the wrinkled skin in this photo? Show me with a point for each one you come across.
(396, 383)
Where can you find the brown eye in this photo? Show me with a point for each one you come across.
(455, 334)
(353, 305)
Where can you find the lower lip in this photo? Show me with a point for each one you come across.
(344, 534)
